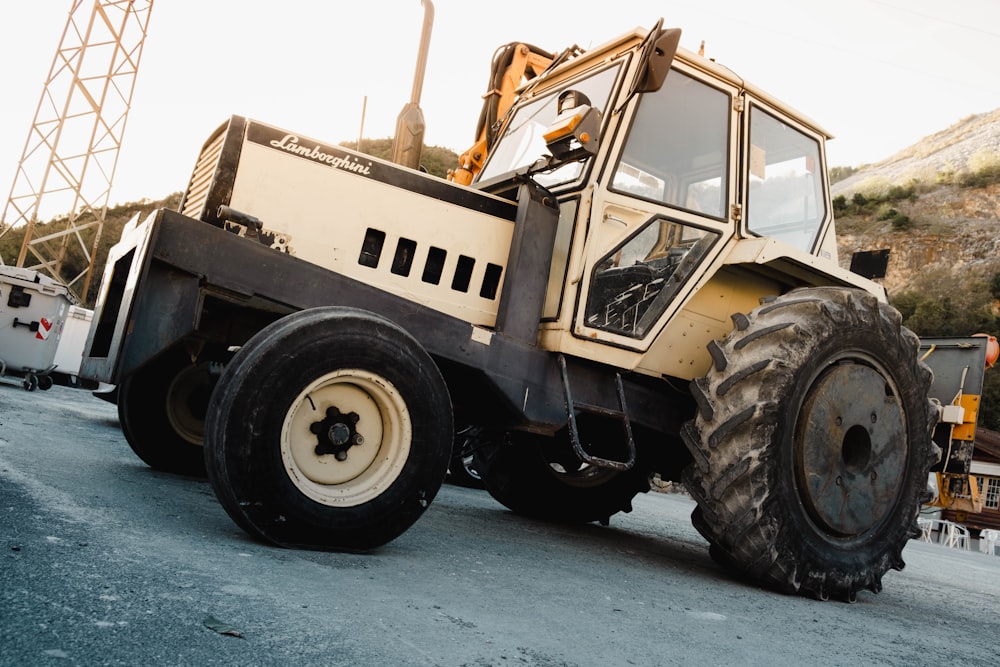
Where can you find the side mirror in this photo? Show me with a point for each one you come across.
(660, 58)
(655, 58)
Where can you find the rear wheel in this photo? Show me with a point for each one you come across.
(462, 470)
(330, 429)
(161, 408)
(538, 476)
(812, 443)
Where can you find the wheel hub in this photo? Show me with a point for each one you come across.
(346, 437)
(336, 433)
(187, 401)
(851, 449)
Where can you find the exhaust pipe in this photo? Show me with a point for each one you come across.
(408, 142)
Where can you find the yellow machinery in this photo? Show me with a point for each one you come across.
(959, 366)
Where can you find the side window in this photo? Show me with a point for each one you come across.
(785, 195)
(634, 284)
(676, 152)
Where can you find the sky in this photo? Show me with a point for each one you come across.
(877, 74)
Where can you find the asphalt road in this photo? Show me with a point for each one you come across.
(107, 562)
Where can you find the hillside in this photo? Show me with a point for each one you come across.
(75, 262)
(952, 232)
(935, 209)
(934, 205)
(967, 146)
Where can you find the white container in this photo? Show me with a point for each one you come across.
(33, 310)
(69, 353)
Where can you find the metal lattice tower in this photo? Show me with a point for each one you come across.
(71, 153)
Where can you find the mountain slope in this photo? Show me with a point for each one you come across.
(934, 205)
(968, 145)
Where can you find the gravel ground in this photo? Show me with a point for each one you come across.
(107, 562)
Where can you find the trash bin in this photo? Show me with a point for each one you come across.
(69, 353)
(33, 310)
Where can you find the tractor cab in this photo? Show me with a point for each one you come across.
(695, 180)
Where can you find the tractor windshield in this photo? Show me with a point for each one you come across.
(521, 143)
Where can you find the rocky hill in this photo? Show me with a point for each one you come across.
(953, 234)
(934, 205)
(966, 146)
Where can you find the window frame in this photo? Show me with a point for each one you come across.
(727, 173)
(750, 105)
(991, 490)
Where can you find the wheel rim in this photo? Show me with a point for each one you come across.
(346, 437)
(851, 449)
(187, 400)
(584, 476)
(469, 465)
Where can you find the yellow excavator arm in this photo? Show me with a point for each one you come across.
(513, 64)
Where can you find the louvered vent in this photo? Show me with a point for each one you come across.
(211, 183)
(201, 179)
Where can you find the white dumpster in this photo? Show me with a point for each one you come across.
(69, 353)
(33, 310)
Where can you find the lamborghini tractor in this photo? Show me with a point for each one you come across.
(640, 278)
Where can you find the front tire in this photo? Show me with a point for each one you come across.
(330, 429)
(812, 443)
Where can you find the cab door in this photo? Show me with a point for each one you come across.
(661, 210)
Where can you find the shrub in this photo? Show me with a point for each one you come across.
(887, 213)
(995, 286)
(840, 173)
(901, 192)
(840, 204)
(901, 222)
(980, 178)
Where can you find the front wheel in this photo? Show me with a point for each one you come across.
(812, 443)
(330, 429)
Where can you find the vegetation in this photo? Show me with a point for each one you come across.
(434, 160)
(838, 174)
(75, 261)
(937, 303)
(938, 306)
(881, 201)
(879, 204)
(980, 178)
(876, 198)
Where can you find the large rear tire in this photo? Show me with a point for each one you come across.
(537, 476)
(330, 429)
(161, 409)
(812, 443)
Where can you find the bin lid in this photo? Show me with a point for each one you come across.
(32, 279)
